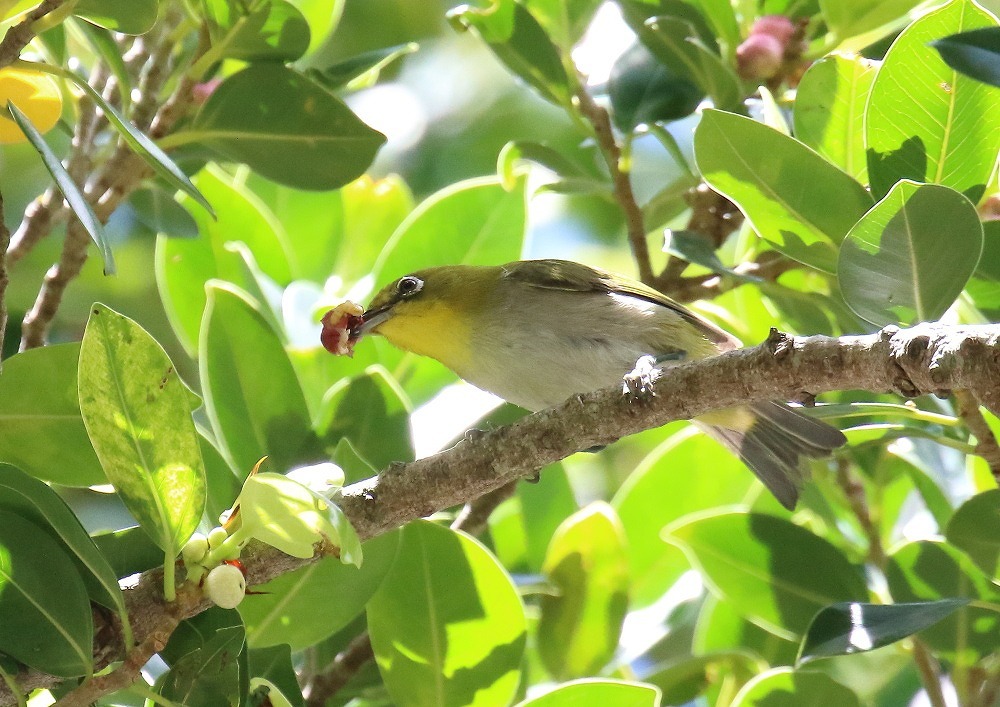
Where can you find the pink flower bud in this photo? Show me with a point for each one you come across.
(777, 26)
(759, 57)
(201, 91)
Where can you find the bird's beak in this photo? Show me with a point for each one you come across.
(369, 321)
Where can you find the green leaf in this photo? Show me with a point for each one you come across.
(656, 494)
(138, 415)
(847, 19)
(361, 71)
(684, 680)
(581, 621)
(251, 392)
(852, 627)
(304, 607)
(129, 551)
(975, 528)
(44, 610)
(125, 16)
(158, 210)
(274, 665)
(565, 21)
(323, 145)
(592, 691)
(373, 413)
(141, 143)
(793, 198)
(41, 430)
(521, 43)
(924, 120)
(721, 628)
(74, 197)
(676, 43)
(183, 267)
(209, 676)
(271, 31)
(931, 571)
(474, 222)
(909, 257)
(447, 626)
(293, 518)
(754, 562)
(830, 110)
(104, 45)
(784, 687)
(36, 502)
(975, 53)
(544, 506)
(644, 91)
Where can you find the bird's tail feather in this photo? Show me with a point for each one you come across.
(773, 440)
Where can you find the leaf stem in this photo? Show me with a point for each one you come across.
(4, 279)
(968, 409)
(169, 571)
(930, 674)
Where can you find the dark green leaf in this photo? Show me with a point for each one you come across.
(695, 248)
(210, 675)
(581, 621)
(373, 413)
(447, 626)
(924, 120)
(521, 43)
(44, 610)
(272, 31)
(975, 53)
(285, 127)
(41, 430)
(975, 528)
(158, 210)
(74, 197)
(251, 392)
(909, 257)
(852, 627)
(793, 198)
(676, 43)
(103, 44)
(125, 16)
(129, 551)
(362, 70)
(565, 21)
(931, 571)
(274, 664)
(138, 414)
(304, 607)
(35, 501)
(754, 562)
(642, 90)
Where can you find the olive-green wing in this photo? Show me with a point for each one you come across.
(576, 277)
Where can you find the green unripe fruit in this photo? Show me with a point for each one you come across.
(642, 90)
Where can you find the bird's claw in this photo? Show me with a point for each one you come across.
(637, 384)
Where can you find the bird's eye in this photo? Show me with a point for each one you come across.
(409, 285)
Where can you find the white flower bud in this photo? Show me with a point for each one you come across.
(195, 549)
(216, 537)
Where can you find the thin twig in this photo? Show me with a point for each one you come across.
(855, 493)
(768, 267)
(622, 183)
(188, 598)
(19, 35)
(930, 673)
(986, 442)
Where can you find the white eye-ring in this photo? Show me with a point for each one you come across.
(409, 285)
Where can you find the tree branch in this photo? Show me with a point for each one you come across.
(19, 35)
(986, 442)
(926, 359)
(622, 184)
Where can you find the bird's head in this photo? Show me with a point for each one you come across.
(430, 312)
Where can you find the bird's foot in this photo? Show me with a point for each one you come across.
(637, 385)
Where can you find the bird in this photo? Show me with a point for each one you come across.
(537, 332)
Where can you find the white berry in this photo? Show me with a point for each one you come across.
(226, 586)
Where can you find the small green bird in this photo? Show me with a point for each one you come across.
(536, 332)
